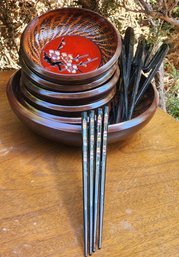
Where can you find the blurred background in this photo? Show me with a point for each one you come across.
(158, 21)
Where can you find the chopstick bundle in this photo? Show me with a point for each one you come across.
(94, 136)
(131, 90)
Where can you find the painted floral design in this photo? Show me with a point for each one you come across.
(65, 61)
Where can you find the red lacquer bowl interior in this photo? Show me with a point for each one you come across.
(70, 43)
(70, 55)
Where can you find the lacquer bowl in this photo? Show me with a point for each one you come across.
(67, 110)
(28, 74)
(49, 126)
(70, 36)
(70, 98)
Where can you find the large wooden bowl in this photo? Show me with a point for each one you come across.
(70, 133)
(70, 22)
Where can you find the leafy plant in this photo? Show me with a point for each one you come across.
(173, 92)
(173, 106)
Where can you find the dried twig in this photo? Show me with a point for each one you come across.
(162, 10)
(159, 80)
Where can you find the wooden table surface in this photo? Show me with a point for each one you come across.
(41, 192)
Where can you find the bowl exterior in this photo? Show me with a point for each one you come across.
(60, 109)
(66, 85)
(71, 134)
(71, 98)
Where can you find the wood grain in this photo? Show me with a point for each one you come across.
(67, 22)
(41, 192)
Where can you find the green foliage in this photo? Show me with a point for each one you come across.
(173, 94)
(153, 2)
(173, 106)
(175, 73)
(176, 11)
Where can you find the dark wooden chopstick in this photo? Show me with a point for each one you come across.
(103, 173)
(91, 176)
(97, 173)
(148, 53)
(85, 179)
(127, 57)
(160, 56)
(137, 78)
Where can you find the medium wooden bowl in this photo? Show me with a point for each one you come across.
(71, 134)
(71, 98)
(70, 22)
(67, 86)
(64, 110)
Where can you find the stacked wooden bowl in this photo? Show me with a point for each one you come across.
(69, 59)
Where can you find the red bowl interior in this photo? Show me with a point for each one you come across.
(62, 30)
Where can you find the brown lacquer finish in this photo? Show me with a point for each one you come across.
(71, 98)
(61, 77)
(69, 110)
(66, 86)
(66, 22)
(70, 133)
(48, 116)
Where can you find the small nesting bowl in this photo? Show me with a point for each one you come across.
(28, 74)
(71, 98)
(70, 22)
(50, 127)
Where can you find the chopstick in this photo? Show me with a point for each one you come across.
(163, 50)
(97, 173)
(85, 179)
(137, 77)
(127, 57)
(91, 172)
(103, 174)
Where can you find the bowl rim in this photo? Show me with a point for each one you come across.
(113, 128)
(66, 108)
(79, 95)
(38, 79)
(51, 117)
(41, 70)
